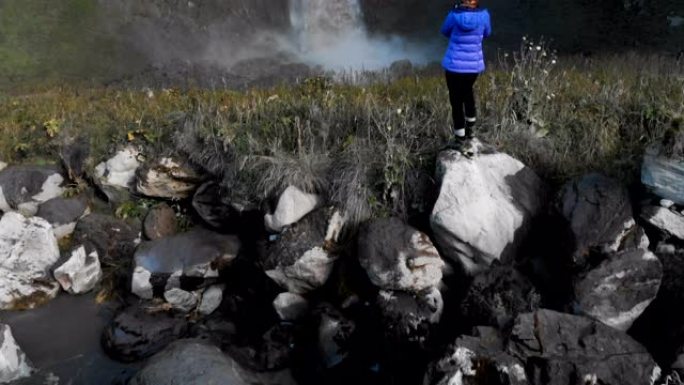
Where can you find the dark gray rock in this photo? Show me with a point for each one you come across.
(63, 213)
(335, 332)
(618, 290)
(221, 207)
(199, 254)
(24, 187)
(273, 351)
(599, 213)
(409, 317)
(160, 222)
(139, 332)
(301, 259)
(556, 348)
(477, 360)
(661, 326)
(398, 257)
(74, 155)
(496, 297)
(196, 362)
(112, 238)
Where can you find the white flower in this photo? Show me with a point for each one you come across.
(524, 38)
(399, 111)
(553, 61)
(538, 48)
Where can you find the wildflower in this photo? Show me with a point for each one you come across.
(389, 128)
(553, 61)
(524, 38)
(538, 48)
(399, 111)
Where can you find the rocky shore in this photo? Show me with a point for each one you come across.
(506, 281)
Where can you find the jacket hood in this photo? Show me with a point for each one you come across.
(468, 20)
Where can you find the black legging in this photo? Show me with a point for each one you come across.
(462, 97)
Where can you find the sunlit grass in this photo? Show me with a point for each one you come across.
(562, 116)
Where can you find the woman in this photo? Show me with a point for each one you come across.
(465, 26)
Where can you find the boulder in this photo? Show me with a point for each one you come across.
(496, 297)
(28, 249)
(199, 254)
(479, 359)
(181, 300)
(300, 260)
(398, 257)
(292, 206)
(334, 333)
(112, 238)
(138, 332)
(80, 273)
(13, 362)
(484, 207)
(409, 317)
(661, 326)
(669, 222)
(75, 154)
(221, 207)
(557, 348)
(663, 174)
(63, 213)
(118, 171)
(290, 306)
(3, 165)
(167, 178)
(196, 362)
(160, 222)
(618, 290)
(24, 188)
(211, 299)
(599, 213)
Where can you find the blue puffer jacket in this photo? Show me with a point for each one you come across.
(466, 28)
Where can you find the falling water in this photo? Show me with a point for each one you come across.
(332, 33)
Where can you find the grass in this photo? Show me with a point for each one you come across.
(366, 145)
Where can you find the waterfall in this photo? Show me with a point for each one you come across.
(320, 24)
(331, 33)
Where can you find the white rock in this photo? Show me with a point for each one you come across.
(293, 205)
(181, 300)
(483, 208)
(666, 203)
(290, 306)
(663, 175)
(664, 219)
(13, 362)
(211, 299)
(307, 273)
(119, 171)
(167, 179)
(28, 249)
(140, 284)
(80, 273)
(3, 165)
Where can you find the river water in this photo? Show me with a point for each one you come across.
(62, 338)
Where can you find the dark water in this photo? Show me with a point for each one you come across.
(63, 338)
